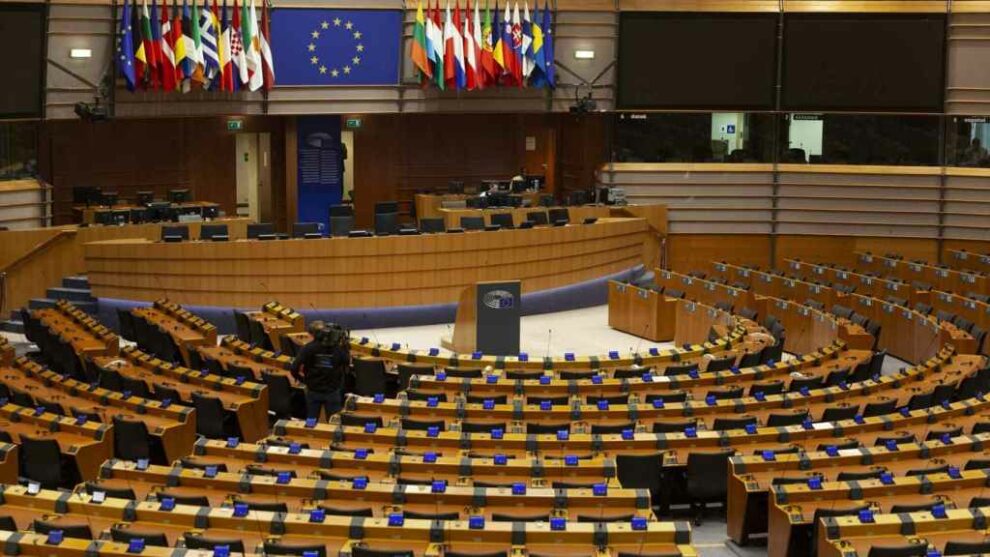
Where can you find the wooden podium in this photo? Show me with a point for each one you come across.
(487, 319)
(641, 312)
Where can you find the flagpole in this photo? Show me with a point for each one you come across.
(265, 4)
(115, 67)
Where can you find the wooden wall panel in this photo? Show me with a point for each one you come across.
(688, 252)
(842, 249)
(582, 147)
(129, 155)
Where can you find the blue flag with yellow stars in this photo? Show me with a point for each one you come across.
(336, 47)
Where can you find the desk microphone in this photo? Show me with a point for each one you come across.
(159, 283)
(646, 329)
(549, 338)
(265, 286)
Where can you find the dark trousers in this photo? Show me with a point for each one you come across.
(330, 401)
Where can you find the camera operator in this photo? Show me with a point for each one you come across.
(321, 366)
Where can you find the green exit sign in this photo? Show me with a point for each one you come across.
(235, 125)
(353, 123)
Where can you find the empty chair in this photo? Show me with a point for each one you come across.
(180, 231)
(630, 372)
(386, 218)
(254, 231)
(920, 401)
(724, 424)
(78, 531)
(191, 500)
(720, 364)
(369, 377)
(243, 324)
(964, 324)
(210, 543)
(836, 377)
(574, 374)
(899, 438)
(342, 220)
(750, 359)
(815, 304)
(278, 547)
(267, 506)
(124, 533)
(413, 394)
(673, 293)
(211, 231)
(130, 439)
(841, 311)
(537, 217)
(943, 315)
(923, 308)
(774, 387)
(879, 408)
(911, 549)
(671, 371)
(602, 429)
(614, 399)
(348, 418)
(843, 411)
(785, 419)
(551, 428)
(303, 229)
(259, 338)
(523, 374)
(673, 427)
(114, 492)
(423, 425)
(282, 399)
(480, 399)
(799, 383)
(559, 215)
(928, 471)
(707, 475)
(748, 313)
(211, 419)
(953, 547)
(846, 476)
(726, 393)
(504, 220)
(137, 387)
(473, 223)
(668, 396)
(430, 225)
(463, 373)
(474, 427)
(553, 400)
(408, 370)
(41, 460)
(639, 471)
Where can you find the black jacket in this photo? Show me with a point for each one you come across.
(321, 368)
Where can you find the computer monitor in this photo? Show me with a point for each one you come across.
(85, 195)
(160, 211)
(144, 197)
(211, 212)
(108, 198)
(455, 186)
(179, 196)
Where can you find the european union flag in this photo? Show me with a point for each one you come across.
(336, 47)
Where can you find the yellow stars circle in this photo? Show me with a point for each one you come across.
(355, 60)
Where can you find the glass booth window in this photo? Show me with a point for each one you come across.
(859, 139)
(18, 150)
(967, 140)
(693, 137)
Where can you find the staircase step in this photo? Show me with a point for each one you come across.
(81, 282)
(12, 326)
(71, 294)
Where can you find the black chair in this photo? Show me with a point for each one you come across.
(821, 513)
(537, 217)
(901, 438)
(843, 411)
(559, 215)
(504, 220)
(281, 396)
(40, 460)
(125, 324)
(114, 492)
(423, 425)
(480, 399)
(369, 377)
(473, 223)
(927, 471)
(260, 229)
(785, 419)
(953, 547)
(265, 506)
(130, 439)
(412, 394)
(799, 383)
(191, 500)
(879, 408)
(640, 471)
(630, 372)
(728, 393)
(366, 512)
(69, 530)
(7, 524)
(614, 399)
(577, 374)
(358, 551)
(725, 424)
(720, 364)
(386, 218)
(210, 231)
(463, 373)
(553, 400)
(273, 547)
(542, 429)
(243, 325)
(841, 445)
(774, 387)
(360, 420)
(304, 229)
(707, 474)
(181, 231)
(669, 396)
(125, 533)
(523, 374)
(475, 427)
(212, 420)
(431, 225)
(602, 429)
(210, 543)
(919, 549)
(136, 386)
(407, 371)
(750, 359)
(671, 371)
(673, 427)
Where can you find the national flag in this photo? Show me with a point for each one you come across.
(497, 51)
(439, 48)
(252, 48)
(197, 42)
(167, 51)
(505, 56)
(188, 45)
(517, 69)
(237, 51)
(208, 39)
(179, 46)
(449, 63)
(487, 62)
(140, 59)
(267, 63)
(548, 46)
(419, 47)
(150, 51)
(459, 67)
(539, 76)
(226, 57)
(125, 48)
(428, 35)
(470, 55)
(526, 50)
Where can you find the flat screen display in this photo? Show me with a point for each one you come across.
(864, 62)
(22, 44)
(697, 61)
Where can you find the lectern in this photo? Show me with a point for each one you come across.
(488, 319)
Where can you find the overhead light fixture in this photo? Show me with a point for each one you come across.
(584, 54)
(80, 53)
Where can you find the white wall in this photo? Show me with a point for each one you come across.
(247, 174)
(807, 135)
(720, 129)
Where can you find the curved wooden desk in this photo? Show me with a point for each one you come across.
(362, 272)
